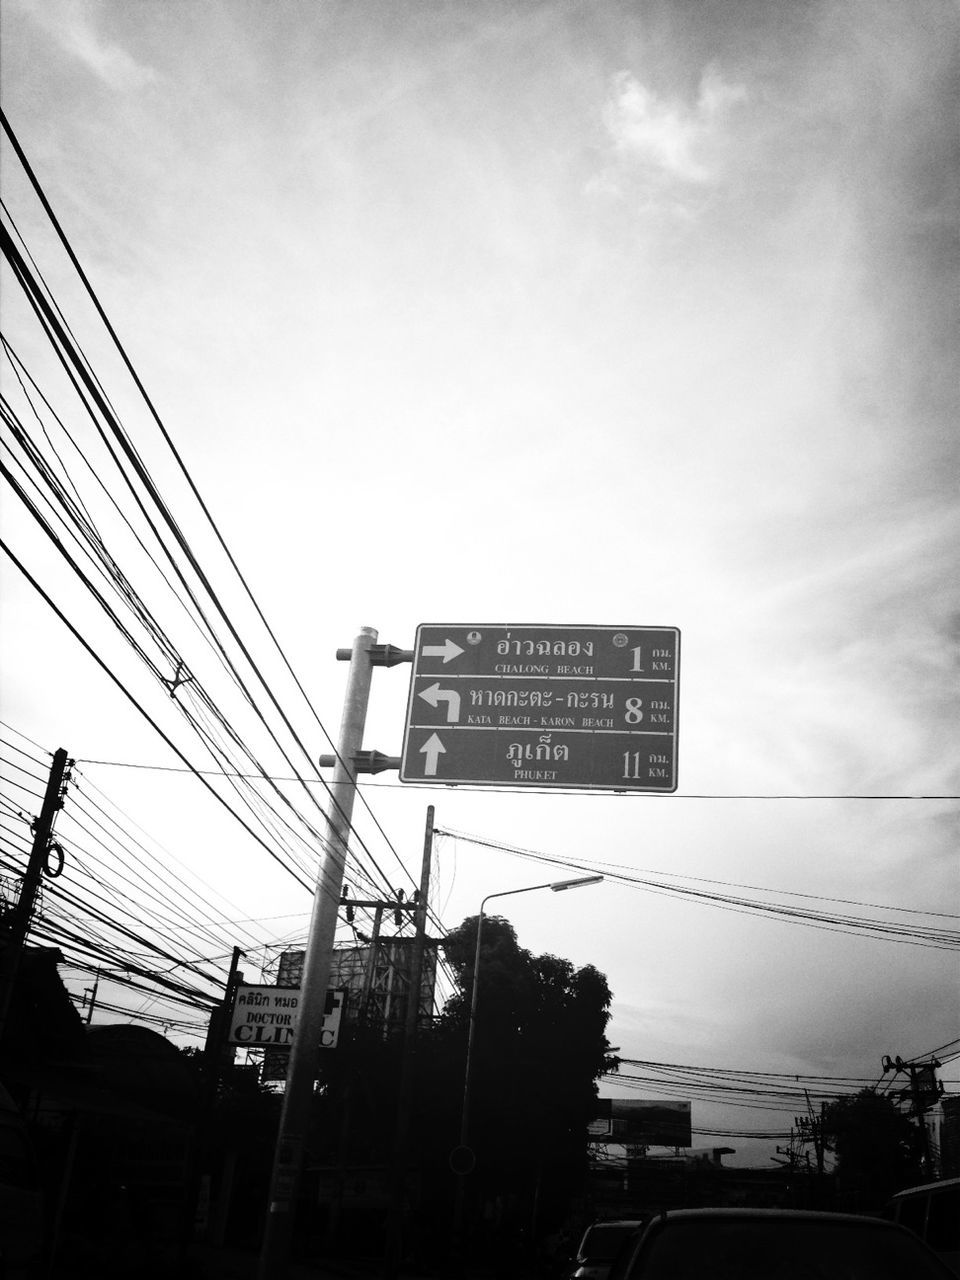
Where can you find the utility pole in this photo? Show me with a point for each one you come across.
(212, 1065)
(352, 905)
(371, 962)
(302, 1068)
(924, 1091)
(920, 1111)
(19, 917)
(92, 993)
(394, 1242)
(814, 1128)
(213, 1049)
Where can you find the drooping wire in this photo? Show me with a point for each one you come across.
(41, 195)
(62, 348)
(916, 935)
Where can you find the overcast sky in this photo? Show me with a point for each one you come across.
(602, 313)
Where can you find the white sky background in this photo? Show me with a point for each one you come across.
(604, 313)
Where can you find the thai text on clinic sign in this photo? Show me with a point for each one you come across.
(266, 1017)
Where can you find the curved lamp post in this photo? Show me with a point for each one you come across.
(556, 886)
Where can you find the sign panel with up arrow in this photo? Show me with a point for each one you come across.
(543, 706)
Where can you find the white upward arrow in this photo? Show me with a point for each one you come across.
(447, 651)
(433, 748)
(435, 694)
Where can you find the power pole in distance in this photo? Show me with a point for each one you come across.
(924, 1091)
(394, 1233)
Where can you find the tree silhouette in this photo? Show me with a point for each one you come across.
(539, 1049)
(877, 1147)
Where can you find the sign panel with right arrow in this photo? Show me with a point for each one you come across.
(543, 706)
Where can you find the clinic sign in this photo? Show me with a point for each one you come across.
(266, 1017)
(544, 706)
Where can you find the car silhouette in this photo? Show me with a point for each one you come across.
(777, 1244)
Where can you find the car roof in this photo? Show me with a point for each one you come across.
(617, 1222)
(926, 1186)
(793, 1215)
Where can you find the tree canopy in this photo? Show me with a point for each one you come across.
(878, 1148)
(539, 1049)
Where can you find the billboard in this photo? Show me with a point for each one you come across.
(376, 979)
(629, 1122)
(374, 983)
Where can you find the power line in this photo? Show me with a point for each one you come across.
(173, 768)
(63, 349)
(164, 872)
(745, 1089)
(48, 209)
(596, 795)
(908, 933)
(204, 733)
(169, 925)
(127, 694)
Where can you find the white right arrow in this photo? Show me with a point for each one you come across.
(447, 651)
(433, 748)
(434, 694)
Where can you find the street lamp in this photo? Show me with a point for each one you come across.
(464, 1155)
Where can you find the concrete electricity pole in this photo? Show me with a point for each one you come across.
(19, 916)
(394, 1226)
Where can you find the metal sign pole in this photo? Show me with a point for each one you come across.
(302, 1069)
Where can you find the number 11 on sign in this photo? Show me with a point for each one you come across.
(632, 761)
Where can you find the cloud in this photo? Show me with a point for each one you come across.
(666, 143)
(75, 31)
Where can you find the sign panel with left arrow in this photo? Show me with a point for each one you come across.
(544, 706)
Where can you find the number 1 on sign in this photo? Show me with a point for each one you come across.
(631, 765)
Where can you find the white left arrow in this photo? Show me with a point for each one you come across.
(433, 748)
(435, 695)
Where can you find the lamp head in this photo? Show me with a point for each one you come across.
(575, 884)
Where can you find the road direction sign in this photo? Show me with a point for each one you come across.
(543, 706)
